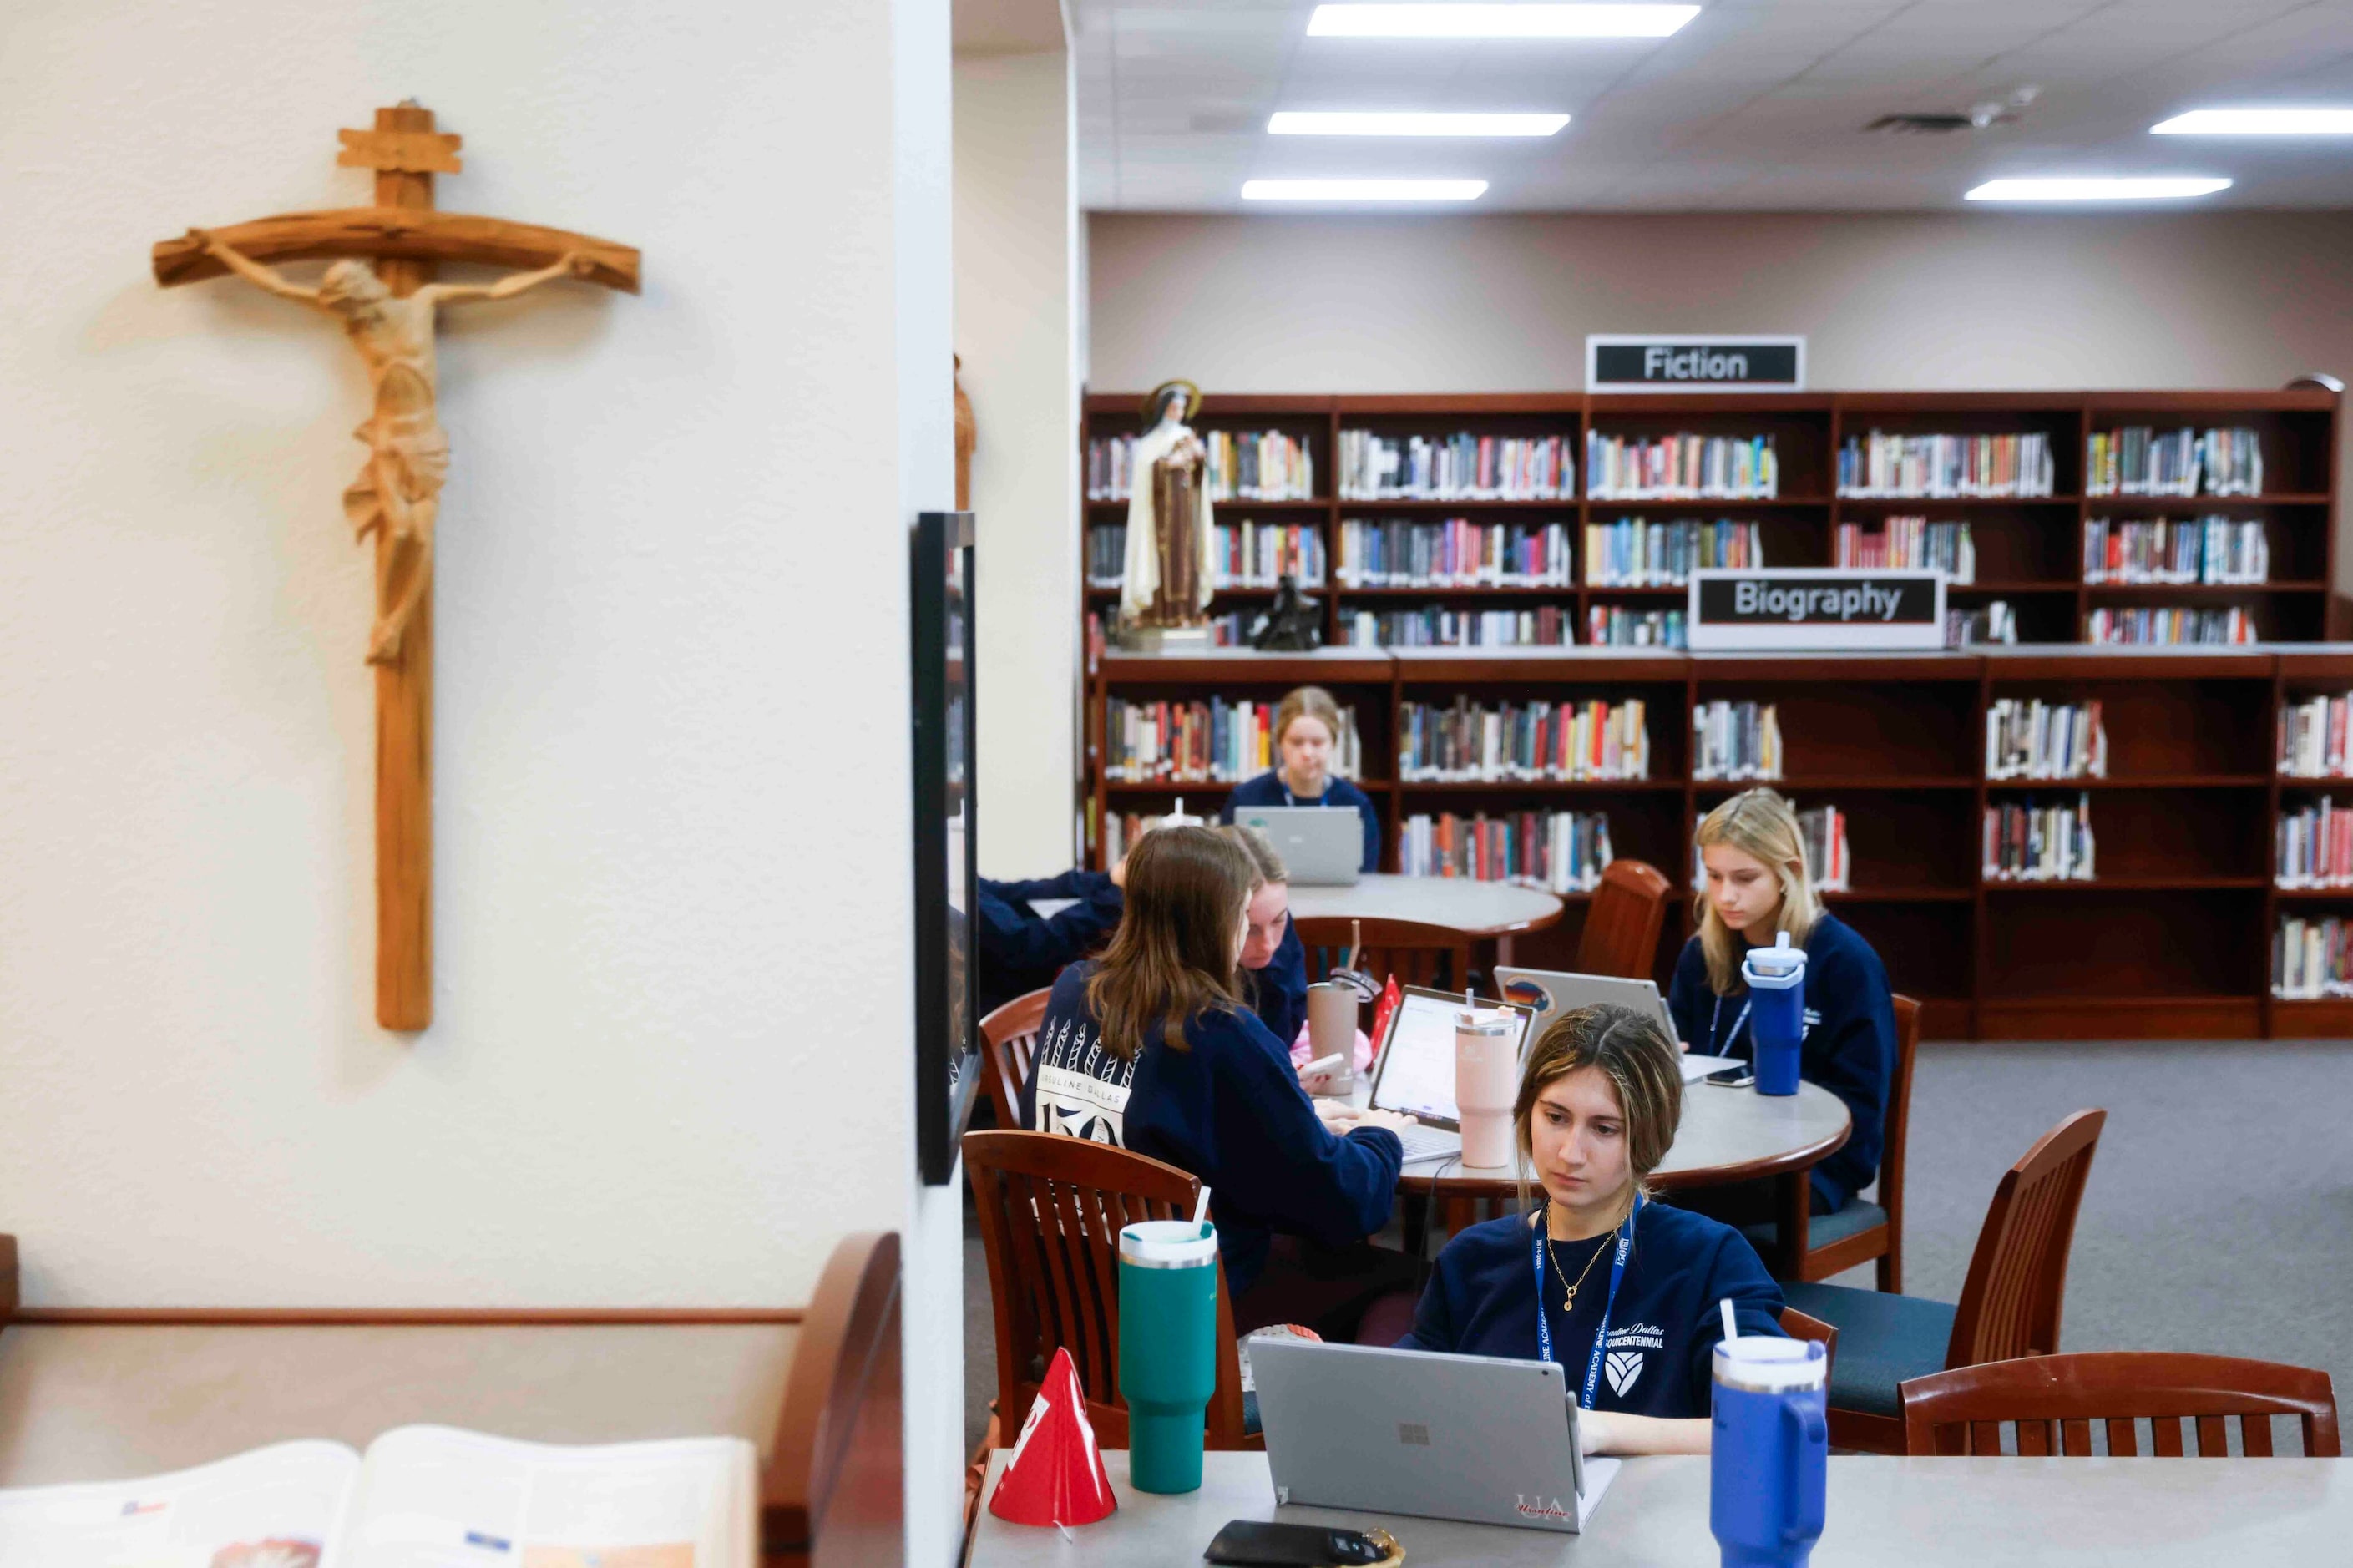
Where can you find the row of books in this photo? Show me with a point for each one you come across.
(2027, 737)
(1242, 465)
(1736, 741)
(1726, 467)
(2175, 549)
(1462, 467)
(1245, 555)
(1907, 543)
(1565, 851)
(2169, 626)
(1216, 742)
(1614, 626)
(2031, 841)
(1821, 835)
(1455, 553)
(1635, 553)
(2140, 461)
(1886, 464)
(2314, 846)
(1991, 622)
(2312, 959)
(1545, 626)
(2315, 738)
(1469, 742)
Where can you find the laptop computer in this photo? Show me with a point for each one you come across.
(1413, 1068)
(1321, 845)
(1552, 992)
(1445, 1436)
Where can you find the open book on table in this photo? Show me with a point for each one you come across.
(421, 1497)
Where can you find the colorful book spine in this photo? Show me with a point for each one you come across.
(1615, 626)
(1736, 741)
(1462, 467)
(1633, 552)
(2027, 737)
(1680, 466)
(1546, 626)
(1562, 851)
(1455, 553)
(1469, 742)
(1216, 742)
(2170, 626)
(2315, 738)
(2312, 959)
(2030, 841)
(1889, 465)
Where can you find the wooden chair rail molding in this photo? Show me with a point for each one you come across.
(834, 1492)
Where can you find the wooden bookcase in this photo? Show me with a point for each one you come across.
(2173, 938)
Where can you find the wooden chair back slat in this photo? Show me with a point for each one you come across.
(1622, 923)
(1963, 1410)
(1897, 1140)
(1009, 1040)
(833, 1492)
(1800, 1326)
(2011, 1302)
(1435, 956)
(1050, 1209)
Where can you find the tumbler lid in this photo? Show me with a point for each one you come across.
(1169, 1244)
(1762, 1364)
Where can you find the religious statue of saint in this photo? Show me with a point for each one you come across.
(399, 487)
(1166, 581)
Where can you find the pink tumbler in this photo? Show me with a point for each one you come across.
(1486, 1079)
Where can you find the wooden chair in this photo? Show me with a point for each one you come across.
(834, 1492)
(1799, 1326)
(1051, 1208)
(1622, 923)
(1435, 956)
(2010, 1304)
(1009, 1039)
(1832, 1244)
(2051, 1400)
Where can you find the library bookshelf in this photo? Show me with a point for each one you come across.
(2173, 939)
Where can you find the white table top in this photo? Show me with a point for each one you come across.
(1479, 908)
(1921, 1513)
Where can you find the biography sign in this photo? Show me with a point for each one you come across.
(1815, 608)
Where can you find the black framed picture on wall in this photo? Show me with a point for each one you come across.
(948, 980)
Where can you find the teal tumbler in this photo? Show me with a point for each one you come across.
(1167, 1348)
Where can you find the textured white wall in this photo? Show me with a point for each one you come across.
(670, 1061)
(1018, 286)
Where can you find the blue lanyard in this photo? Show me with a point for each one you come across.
(1617, 1276)
(1716, 1017)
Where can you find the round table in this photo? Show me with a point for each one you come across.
(1484, 912)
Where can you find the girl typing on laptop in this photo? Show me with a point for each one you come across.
(1306, 733)
(1151, 1048)
(1620, 1290)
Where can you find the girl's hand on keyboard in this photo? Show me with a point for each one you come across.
(1395, 1120)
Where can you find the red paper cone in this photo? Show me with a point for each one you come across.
(1056, 1475)
(1390, 997)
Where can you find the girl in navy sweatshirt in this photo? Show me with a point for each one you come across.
(1757, 887)
(1306, 732)
(1274, 961)
(1151, 1048)
(1623, 1292)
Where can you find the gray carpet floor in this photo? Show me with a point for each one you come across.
(2219, 1216)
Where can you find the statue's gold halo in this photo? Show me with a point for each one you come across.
(1192, 399)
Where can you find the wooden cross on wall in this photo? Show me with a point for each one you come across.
(381, 289)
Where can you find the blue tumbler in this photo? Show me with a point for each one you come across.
(1777, 1011)
(1167, 1348)
(1771, 1451)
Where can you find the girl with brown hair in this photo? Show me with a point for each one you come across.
(1308, 732)
(1623, 1292)
(1150, 1048)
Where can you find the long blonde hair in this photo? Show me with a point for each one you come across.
(1172, 957)
(1641, 1064)
(1758, 822)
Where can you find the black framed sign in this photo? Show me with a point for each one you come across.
(947, 976)
(1689, 362)
(1815, 608)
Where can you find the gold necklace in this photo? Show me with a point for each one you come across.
(1568, 1302)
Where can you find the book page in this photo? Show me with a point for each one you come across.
(273, 1508)
(433, 1497)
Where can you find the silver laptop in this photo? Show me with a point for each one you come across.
(1321, 845)
(1413, 1069)
(1445, 1436)
(1552, 992)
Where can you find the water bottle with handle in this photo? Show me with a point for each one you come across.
(1167, 1348)
(1769, 1454)
(1777, 1011)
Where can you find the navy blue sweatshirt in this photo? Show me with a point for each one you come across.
(1229, 1110)
(1849, 1048)
(1278, 993)
(1481, 1300)
(1019, 952)
(1268, 789)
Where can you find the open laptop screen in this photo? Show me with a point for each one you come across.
(1415, 1074)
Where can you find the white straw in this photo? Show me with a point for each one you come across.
(1731, 1328)
(1201, 1212)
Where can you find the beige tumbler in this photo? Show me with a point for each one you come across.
(1332, 1031)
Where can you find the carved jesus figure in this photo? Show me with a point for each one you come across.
(399, 487)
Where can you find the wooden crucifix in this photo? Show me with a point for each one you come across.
(380, 288)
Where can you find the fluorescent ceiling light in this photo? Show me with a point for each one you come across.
(2139, 188)
(1363, 190)
(1350, 122)
(2257, 122)
(1498, 21)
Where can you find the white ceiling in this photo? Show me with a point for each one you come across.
(1755, 105)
